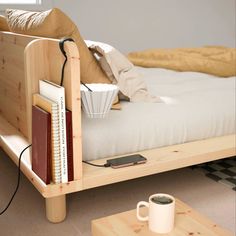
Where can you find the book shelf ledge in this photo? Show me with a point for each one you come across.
(12, 142)
(161, 160)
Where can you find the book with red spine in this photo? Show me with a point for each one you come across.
(69, 137)
(41, 143)
(52, 108)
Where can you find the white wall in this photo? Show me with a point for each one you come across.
(139, 24)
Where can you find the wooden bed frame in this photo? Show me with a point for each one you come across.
(23, 61)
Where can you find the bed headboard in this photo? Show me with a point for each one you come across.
(24, 60)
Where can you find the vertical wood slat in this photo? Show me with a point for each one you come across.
(12, 81)
(44, 60)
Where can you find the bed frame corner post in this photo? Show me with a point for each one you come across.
(56, 208)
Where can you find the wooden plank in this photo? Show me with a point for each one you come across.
(159, 160)
(162, 159)
(187, 222)
(12, 89)
(14, 38)
(36, 68)
(74, 104)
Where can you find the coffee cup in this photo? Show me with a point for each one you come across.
(161, 212)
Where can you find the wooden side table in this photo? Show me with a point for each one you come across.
(187, 222)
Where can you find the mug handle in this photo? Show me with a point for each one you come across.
(142, 203)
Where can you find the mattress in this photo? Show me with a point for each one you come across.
(195, 106)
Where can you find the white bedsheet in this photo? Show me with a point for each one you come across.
(196, 106)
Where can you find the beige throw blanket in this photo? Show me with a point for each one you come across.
(219, 61)
(121, 72)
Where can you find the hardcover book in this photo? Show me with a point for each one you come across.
(41, 143)
(52, 107)
(69, 134)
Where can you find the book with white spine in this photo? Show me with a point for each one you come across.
(52, 107)
(56, 93)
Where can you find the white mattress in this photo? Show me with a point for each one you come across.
(196, 106)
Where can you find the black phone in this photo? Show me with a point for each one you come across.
(126, 161)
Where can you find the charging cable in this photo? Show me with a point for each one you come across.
(18, 181)
(61, 46)
(89, 163)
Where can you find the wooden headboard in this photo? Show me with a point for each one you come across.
(24, 60)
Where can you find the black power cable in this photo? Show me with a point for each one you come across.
(61, 46)
(18, 180)
(89, 163)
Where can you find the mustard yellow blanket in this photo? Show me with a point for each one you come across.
(219, 61)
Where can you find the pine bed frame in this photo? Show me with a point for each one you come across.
(26, 59)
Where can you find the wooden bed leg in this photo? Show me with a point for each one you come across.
(56, 208)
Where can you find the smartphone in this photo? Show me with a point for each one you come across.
(126, 161)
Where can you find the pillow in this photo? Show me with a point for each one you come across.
(121, 72)
(3, 23)
(55, 24)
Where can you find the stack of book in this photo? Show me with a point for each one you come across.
(52, 146)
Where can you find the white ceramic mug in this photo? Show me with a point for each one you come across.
(160, 215)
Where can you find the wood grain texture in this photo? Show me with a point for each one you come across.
(56, 208)
(187, 222)
(162, 159)
(13, 142)
(12, 79)
(28, 60)
(44, 60)
(159, 160)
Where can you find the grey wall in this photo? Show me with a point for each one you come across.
(139, 24)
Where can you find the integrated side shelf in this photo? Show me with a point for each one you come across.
(26, 60)
(12, 142)
(44, 60)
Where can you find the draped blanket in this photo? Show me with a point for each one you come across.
(215, 60)
(121, 72)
